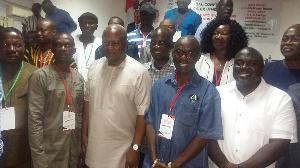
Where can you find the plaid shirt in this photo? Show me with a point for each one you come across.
(155, 73)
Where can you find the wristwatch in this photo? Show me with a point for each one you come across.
(135, 146)
(239, 166)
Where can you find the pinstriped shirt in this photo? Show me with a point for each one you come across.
(137, 38)
(30, 23)
(32, 56)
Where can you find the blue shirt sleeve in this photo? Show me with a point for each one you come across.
(98, 53)
(197, 22)
(72, 26)
(133, 51)
(150, 112)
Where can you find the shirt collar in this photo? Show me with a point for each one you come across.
(168, 64)
(54, 11)
(194, 79)
(257, 91)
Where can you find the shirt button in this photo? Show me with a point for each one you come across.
(236, 150)
(164, 146)
(238, 132)
(240, 114)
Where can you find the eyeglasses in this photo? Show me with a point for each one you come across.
(293, 39)
(188, 54)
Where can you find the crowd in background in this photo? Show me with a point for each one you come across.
(163, 94)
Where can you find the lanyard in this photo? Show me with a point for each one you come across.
(178, 92)
(42, 59)
(86, 61)
(216, 75)
(182, 17)
(13, 85)
(142, 41)
(66, 88)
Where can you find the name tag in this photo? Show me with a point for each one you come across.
(8, 118)
(176, 36)
(166, 126)
(68, 120)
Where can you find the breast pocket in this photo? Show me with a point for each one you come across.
(188, 114)
(261, 123)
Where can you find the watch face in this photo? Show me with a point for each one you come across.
(135, 147)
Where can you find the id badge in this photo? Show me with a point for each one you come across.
(8, 118)
(68, 120)
(166, 126)
(176, 36)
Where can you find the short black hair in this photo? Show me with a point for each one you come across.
(238, 37)
(89, 15)
(10, 29)
(116, 17)
(46, 1)
(37, 4)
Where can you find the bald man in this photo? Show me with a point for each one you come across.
(55, 102)
(131, 50)
(258, 119)
(113, 120)
(161, 45)
(145, 53)
(282, 74)
(169, 24)
(184, 113)
(43, 55)
(14, 74)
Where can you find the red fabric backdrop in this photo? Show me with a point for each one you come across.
(129, 4)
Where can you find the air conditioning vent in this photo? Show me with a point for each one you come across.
(17, 11)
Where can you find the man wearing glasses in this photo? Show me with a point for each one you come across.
(184, 113)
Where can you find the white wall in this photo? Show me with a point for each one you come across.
(103, 9)
(17, 20)
(289, 16)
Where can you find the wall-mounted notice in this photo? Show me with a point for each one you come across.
(260, 18)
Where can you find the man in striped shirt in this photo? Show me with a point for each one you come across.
(142, 35)
(30, 22)
(42, 55)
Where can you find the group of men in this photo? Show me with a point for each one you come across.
(97, 116)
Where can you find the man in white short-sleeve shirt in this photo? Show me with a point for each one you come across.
(258, 119)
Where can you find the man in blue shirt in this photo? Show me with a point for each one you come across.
(62, 19)
(186, 20)
(284, 73)
(184, 113)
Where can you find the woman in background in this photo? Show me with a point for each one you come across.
(221, 40)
